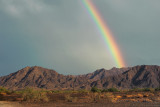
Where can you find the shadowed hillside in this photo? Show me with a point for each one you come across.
(122, 78)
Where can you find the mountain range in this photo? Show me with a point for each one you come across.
(140, 76)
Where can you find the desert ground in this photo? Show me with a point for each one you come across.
(48, 98)
(122, 104)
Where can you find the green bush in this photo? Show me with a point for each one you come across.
(30, 94)
(113, 90)
(95, 89)
(83, 91)
(141, 89)
(4, 90)
(70, 98)
(146, 89)
(135, 90)
(105, 90)
(157, 89)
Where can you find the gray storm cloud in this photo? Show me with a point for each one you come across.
(61, 35)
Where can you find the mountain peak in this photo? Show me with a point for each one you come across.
(39, 77)
(114, 68)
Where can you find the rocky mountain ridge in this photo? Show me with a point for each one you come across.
(123, 78)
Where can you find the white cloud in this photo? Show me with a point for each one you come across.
(20, 8)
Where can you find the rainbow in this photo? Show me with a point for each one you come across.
(105, 33)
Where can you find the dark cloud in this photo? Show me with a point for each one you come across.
(61, 35)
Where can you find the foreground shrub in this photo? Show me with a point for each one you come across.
(95, 89)
(113, 90)
(141, 89)
(135, 90)
(69, 98)
(56, 91)
(105, 90)
(4, 90)
(83, 91)
(146, 89)
(157, 89)
(30, 94)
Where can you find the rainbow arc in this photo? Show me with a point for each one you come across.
(105, 33)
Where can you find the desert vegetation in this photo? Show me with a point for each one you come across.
(112, 95)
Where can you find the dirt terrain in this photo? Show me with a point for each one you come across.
(122, 104)
(87, 99)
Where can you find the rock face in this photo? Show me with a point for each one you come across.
(122, 78)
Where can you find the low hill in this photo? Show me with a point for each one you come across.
(122, 78)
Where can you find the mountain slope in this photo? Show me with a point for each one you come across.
(122, 78)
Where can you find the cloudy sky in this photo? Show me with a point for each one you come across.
(60, 34)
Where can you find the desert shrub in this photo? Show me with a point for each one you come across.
(157, 89)
(83, 91)
(67, 91)
(69, 98)
(110, 90)
(141, 89)
(109, 96)
(57, 91)
(4, 90)
(95, 89)
(113, 90)
(96, 96)
(105, 90)
(135, 90)
(48, 92)
(146, 89)
(30, 94)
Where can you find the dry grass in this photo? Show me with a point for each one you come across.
(82, 96)
(30, 94)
